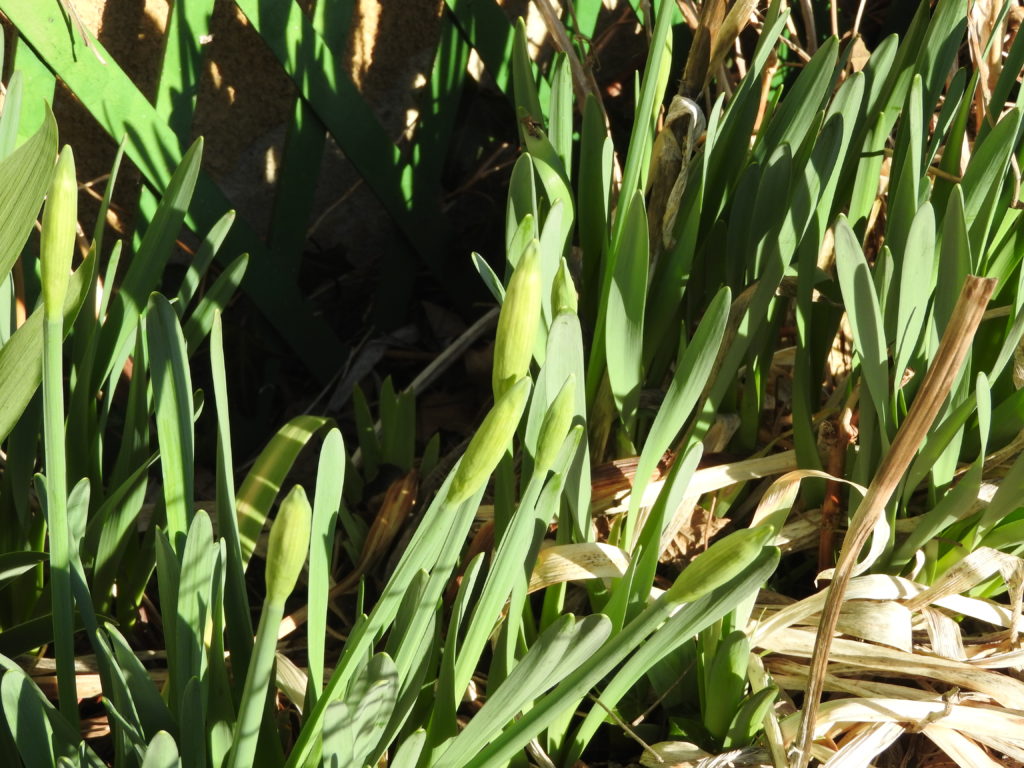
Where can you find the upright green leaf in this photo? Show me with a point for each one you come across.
(146, 268)
(24, 177)
(572, 689)
(216, 299)
(560, 111)
(521, 209)
(523, 84)
(354, 725)
(262, 484)
(330, 478)
(796, 115)
(558, 652)
(11, 114)
(593, 190)
(236, 601)
(191, 617)
(56, 247)
(162, 752)
(172, 392)
(201, 261)
(690, 379)
(916, 285)
(955, 259)
(865, 314)
(624, 322)
(983, 180)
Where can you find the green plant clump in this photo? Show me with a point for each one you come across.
(652, 300)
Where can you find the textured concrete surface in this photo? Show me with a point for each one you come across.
(245, 102)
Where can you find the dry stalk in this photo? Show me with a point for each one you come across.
(811, 34)
(857, 19)
(956, 341)
(835, 438)
(766, 89)
(705, 39)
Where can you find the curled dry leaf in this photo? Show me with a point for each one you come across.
(834, 716)
(912, 666)
(865, 746)
(576, 562)
(673, 754)
(683, 754)
(394, 510)
(965, 752)
(704, 480)
(880, 660)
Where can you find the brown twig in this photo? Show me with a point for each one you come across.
(490, 165)
(956, 341)
(810, 32)
(857, 19)
(843, 435)
(20, 308)
(831, 439)
(766, 88)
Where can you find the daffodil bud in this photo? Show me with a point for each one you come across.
(723, 560)
(556, 424)
(288, 545)
(563, 292)
(517, 323)
(57, 241)
(727, 678)
(490, 442)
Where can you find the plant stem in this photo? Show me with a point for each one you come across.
(257, 680)
(57, 517)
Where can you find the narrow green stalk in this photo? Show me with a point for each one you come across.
(57, 514)
(56, 245)
(258, 679)
(286, 554)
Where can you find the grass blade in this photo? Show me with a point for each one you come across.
(330, 478)
(865, 316)
(624, 320)
(172, 393)
(262, 484)
(26, 176)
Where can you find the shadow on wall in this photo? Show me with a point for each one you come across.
(245, 102)
(132, 32)
(388, 53)
(244, 106)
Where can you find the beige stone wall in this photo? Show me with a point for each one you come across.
(245, 99)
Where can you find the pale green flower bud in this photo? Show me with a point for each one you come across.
(288, 545)
(723, 560)
(57, 241)
(490, 442)
(563, 292)
(517, 323)
(555, 426)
